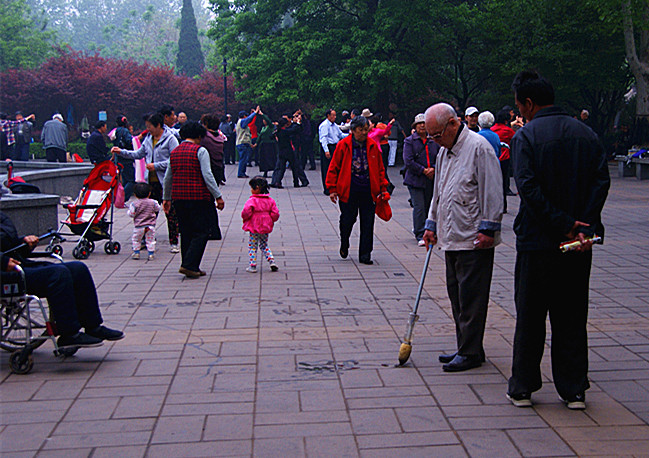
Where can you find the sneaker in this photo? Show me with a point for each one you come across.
(520, 400)
(421, 243)
(274, 267)
(135, 255)
(151, 257)
(79, 340)
(577, 402)
(104, 333)
(251, 269)
(174, 249)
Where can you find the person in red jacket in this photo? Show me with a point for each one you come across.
(356, 178)
(505, 133)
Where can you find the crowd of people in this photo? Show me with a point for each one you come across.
(457, 171)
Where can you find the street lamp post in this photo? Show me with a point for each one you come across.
(225, 86)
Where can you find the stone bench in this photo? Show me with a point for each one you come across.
(31, 213)
(52, 177)
(633, 167)
(641, 167)
(623, 167)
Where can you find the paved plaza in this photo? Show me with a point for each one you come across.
(301, 362)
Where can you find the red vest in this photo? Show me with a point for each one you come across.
(187, 182)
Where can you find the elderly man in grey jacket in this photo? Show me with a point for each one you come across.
(464, 220)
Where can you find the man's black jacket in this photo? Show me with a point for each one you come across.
(96, 148)
(562, 176)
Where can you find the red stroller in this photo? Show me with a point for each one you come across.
(87, 215)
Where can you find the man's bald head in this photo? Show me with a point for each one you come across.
(442, 123)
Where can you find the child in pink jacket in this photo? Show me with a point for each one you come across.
(259, 215)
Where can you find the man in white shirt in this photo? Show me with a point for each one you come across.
(329, 134)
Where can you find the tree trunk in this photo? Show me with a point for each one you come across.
(638, 61)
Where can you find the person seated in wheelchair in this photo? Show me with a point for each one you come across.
(68, 287)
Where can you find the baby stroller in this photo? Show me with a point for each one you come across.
(24, 327)
(87, 215)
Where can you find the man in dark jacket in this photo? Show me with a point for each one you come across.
(288, 135)
(96, 145)
(562, 178)
(68, 287)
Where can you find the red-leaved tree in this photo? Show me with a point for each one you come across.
(89, 84)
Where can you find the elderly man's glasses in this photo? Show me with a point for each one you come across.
(439, 135)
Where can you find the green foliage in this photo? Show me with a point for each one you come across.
(190, 60)
(76, 147)
(24, 40)
(390, 54)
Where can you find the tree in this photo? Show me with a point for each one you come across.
(25, 41)
(190, 59)
(636, 22)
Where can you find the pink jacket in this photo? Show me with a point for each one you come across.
(259, 214)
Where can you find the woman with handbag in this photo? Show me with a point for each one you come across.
(356, 179)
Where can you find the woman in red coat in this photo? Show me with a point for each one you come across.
(356, 178)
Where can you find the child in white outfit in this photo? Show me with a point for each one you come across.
(144, 212)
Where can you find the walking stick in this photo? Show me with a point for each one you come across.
(406, 345)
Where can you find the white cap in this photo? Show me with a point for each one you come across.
(471, 111)
(58, 116)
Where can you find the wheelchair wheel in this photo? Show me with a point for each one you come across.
(57, 249)
(108, 248)
(13, 324)
(21, 364)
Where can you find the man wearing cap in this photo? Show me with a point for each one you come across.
(8, 133)
(244, 140)
(465, 218)
(55, 139)
(471, 118)
(329, 134)
(419, 156)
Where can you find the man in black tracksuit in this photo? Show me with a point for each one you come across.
(562, 176)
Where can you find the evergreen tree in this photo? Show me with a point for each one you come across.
(190, 59)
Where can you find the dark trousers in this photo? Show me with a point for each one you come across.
(172, 219)
(55, 155)
(280, 169)
(505, 167)
(555, 283)
(245, 152)
(324, 163)
(70, 292)
(468, 281)
(307, 154)
(21, 151)
(128, 176)
(194, 220)
(229, 151)
(385, 153)
(420, 198)
(360, 202)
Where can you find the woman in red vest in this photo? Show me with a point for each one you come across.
(356, 177)
(189, 183)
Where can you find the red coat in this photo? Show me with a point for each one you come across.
(505, 133)
(339, 175)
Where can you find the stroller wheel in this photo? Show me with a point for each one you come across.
(108, 248)
(75, 252)
(19, 363)
(116, 247)
(84, 253)
(91, 246)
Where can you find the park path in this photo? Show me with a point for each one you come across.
(301, 362)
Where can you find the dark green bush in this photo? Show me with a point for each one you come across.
(73, 147)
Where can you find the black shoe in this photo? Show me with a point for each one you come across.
(104, 333)
(276, 186)
(312, 167)
(79, 340)
(367, 261)
(462, 363)
(447, 358)
(243, 176)
(326, 192)
(520, 400)
(511, 193)
(344, 250)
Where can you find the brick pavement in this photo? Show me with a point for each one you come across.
(301, 362)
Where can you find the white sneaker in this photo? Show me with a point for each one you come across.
(151, 257)
(135, 256)
(578, 402)
(252, 269)
(174, 249)
(421, 243)
(522, 400)
(274, 267)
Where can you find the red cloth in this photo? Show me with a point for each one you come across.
(505, 134)
(259, 214)
(187, 178)
(339, 175)
(253, 127)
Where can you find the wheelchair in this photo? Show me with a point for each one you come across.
(25, 322)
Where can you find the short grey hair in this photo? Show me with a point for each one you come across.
(442, 112)
(358, 121)
(486, 119)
